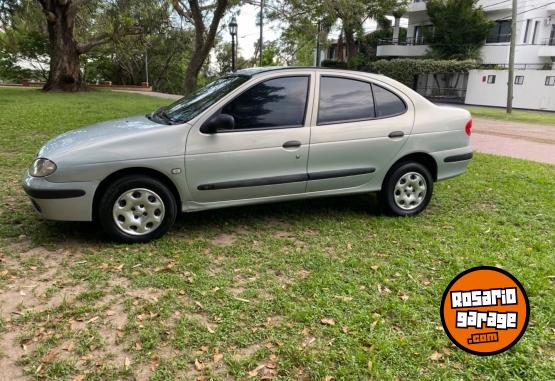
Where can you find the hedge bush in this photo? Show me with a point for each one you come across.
(334, 64)
(406, 69)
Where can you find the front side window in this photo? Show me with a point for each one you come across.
(190, 106)
(491, 79)
(519, 80)
(276, 103)
(387, 103)
(344, 100)
(550, 81)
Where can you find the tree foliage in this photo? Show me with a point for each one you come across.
(303, 15)
(460, 28)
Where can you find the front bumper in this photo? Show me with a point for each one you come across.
(60, 201)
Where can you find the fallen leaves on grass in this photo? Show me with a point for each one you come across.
(126, 363)
(51, 355)
(436, 356)
(327, 321)
(199, 365)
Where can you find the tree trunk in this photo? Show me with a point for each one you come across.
(193, 69)
(204, 40)
(65, 71)
(350, 44)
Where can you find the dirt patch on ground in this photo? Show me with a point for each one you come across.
(224, 240)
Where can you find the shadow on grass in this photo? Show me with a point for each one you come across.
(272, 214)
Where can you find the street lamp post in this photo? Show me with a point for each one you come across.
(233, 31)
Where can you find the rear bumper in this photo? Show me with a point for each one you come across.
(60, 201)
(452, 162)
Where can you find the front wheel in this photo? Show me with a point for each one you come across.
(137, 209)
(407, 189)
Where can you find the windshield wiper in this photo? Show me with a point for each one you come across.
(161, 114)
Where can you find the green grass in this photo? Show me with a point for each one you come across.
(184, 307)
(541, 117)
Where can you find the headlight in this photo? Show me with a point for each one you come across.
(42, 167)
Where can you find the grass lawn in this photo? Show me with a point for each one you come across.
(541, 117)
(300, 290)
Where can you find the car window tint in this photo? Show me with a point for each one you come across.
(343, 100)
(277, 102)
(190, 106)
(387, 103)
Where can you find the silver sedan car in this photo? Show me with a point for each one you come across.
(254, 136)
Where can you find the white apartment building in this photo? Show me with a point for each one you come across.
(535, 33)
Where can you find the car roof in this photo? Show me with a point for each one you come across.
(250, 72)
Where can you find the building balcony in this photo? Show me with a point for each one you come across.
(547, 51)
(417, 6)
(409, 47)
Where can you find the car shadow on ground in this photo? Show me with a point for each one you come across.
(336, 208)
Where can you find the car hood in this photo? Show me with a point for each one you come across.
(122, 139)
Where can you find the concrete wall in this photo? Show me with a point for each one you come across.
(532, 94)
(402, 51)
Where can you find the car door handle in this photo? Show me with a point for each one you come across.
(396, 134)
(292, 144)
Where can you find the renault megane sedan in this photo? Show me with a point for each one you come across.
(254, 136)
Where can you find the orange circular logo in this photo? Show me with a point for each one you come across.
(485, 310)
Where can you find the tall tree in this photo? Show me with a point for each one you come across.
(64, 47)
(460, 28)
(205, 16)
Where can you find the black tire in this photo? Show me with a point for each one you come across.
(387, 194)
(106, 216)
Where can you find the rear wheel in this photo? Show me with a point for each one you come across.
(407, 189)
(137, 209)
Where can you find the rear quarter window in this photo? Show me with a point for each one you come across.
(387, 103)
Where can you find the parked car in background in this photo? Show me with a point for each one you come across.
(254, 136)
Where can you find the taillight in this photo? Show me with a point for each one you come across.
(468, 127)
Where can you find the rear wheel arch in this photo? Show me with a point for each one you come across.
(423, 158)
(143, 171)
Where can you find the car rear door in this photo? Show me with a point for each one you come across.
(359, 127)
(266, 154)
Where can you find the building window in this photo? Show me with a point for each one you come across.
(550, 81)
(491, 78)
(526, 30)
(519, 80)
(501, 32)
(535, 34)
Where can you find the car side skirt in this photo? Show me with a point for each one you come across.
(286, 179)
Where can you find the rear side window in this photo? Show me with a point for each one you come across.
(276, 103)
(344, 100)
(387, 103)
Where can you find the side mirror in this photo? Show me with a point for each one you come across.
(218, 122)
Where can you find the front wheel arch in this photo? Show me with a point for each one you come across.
(143, 171)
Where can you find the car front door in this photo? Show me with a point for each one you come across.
(265, 153)
(360, 127)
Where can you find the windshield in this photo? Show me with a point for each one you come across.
(190, 106)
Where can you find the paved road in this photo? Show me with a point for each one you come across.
(152, 94)
(521, 140)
